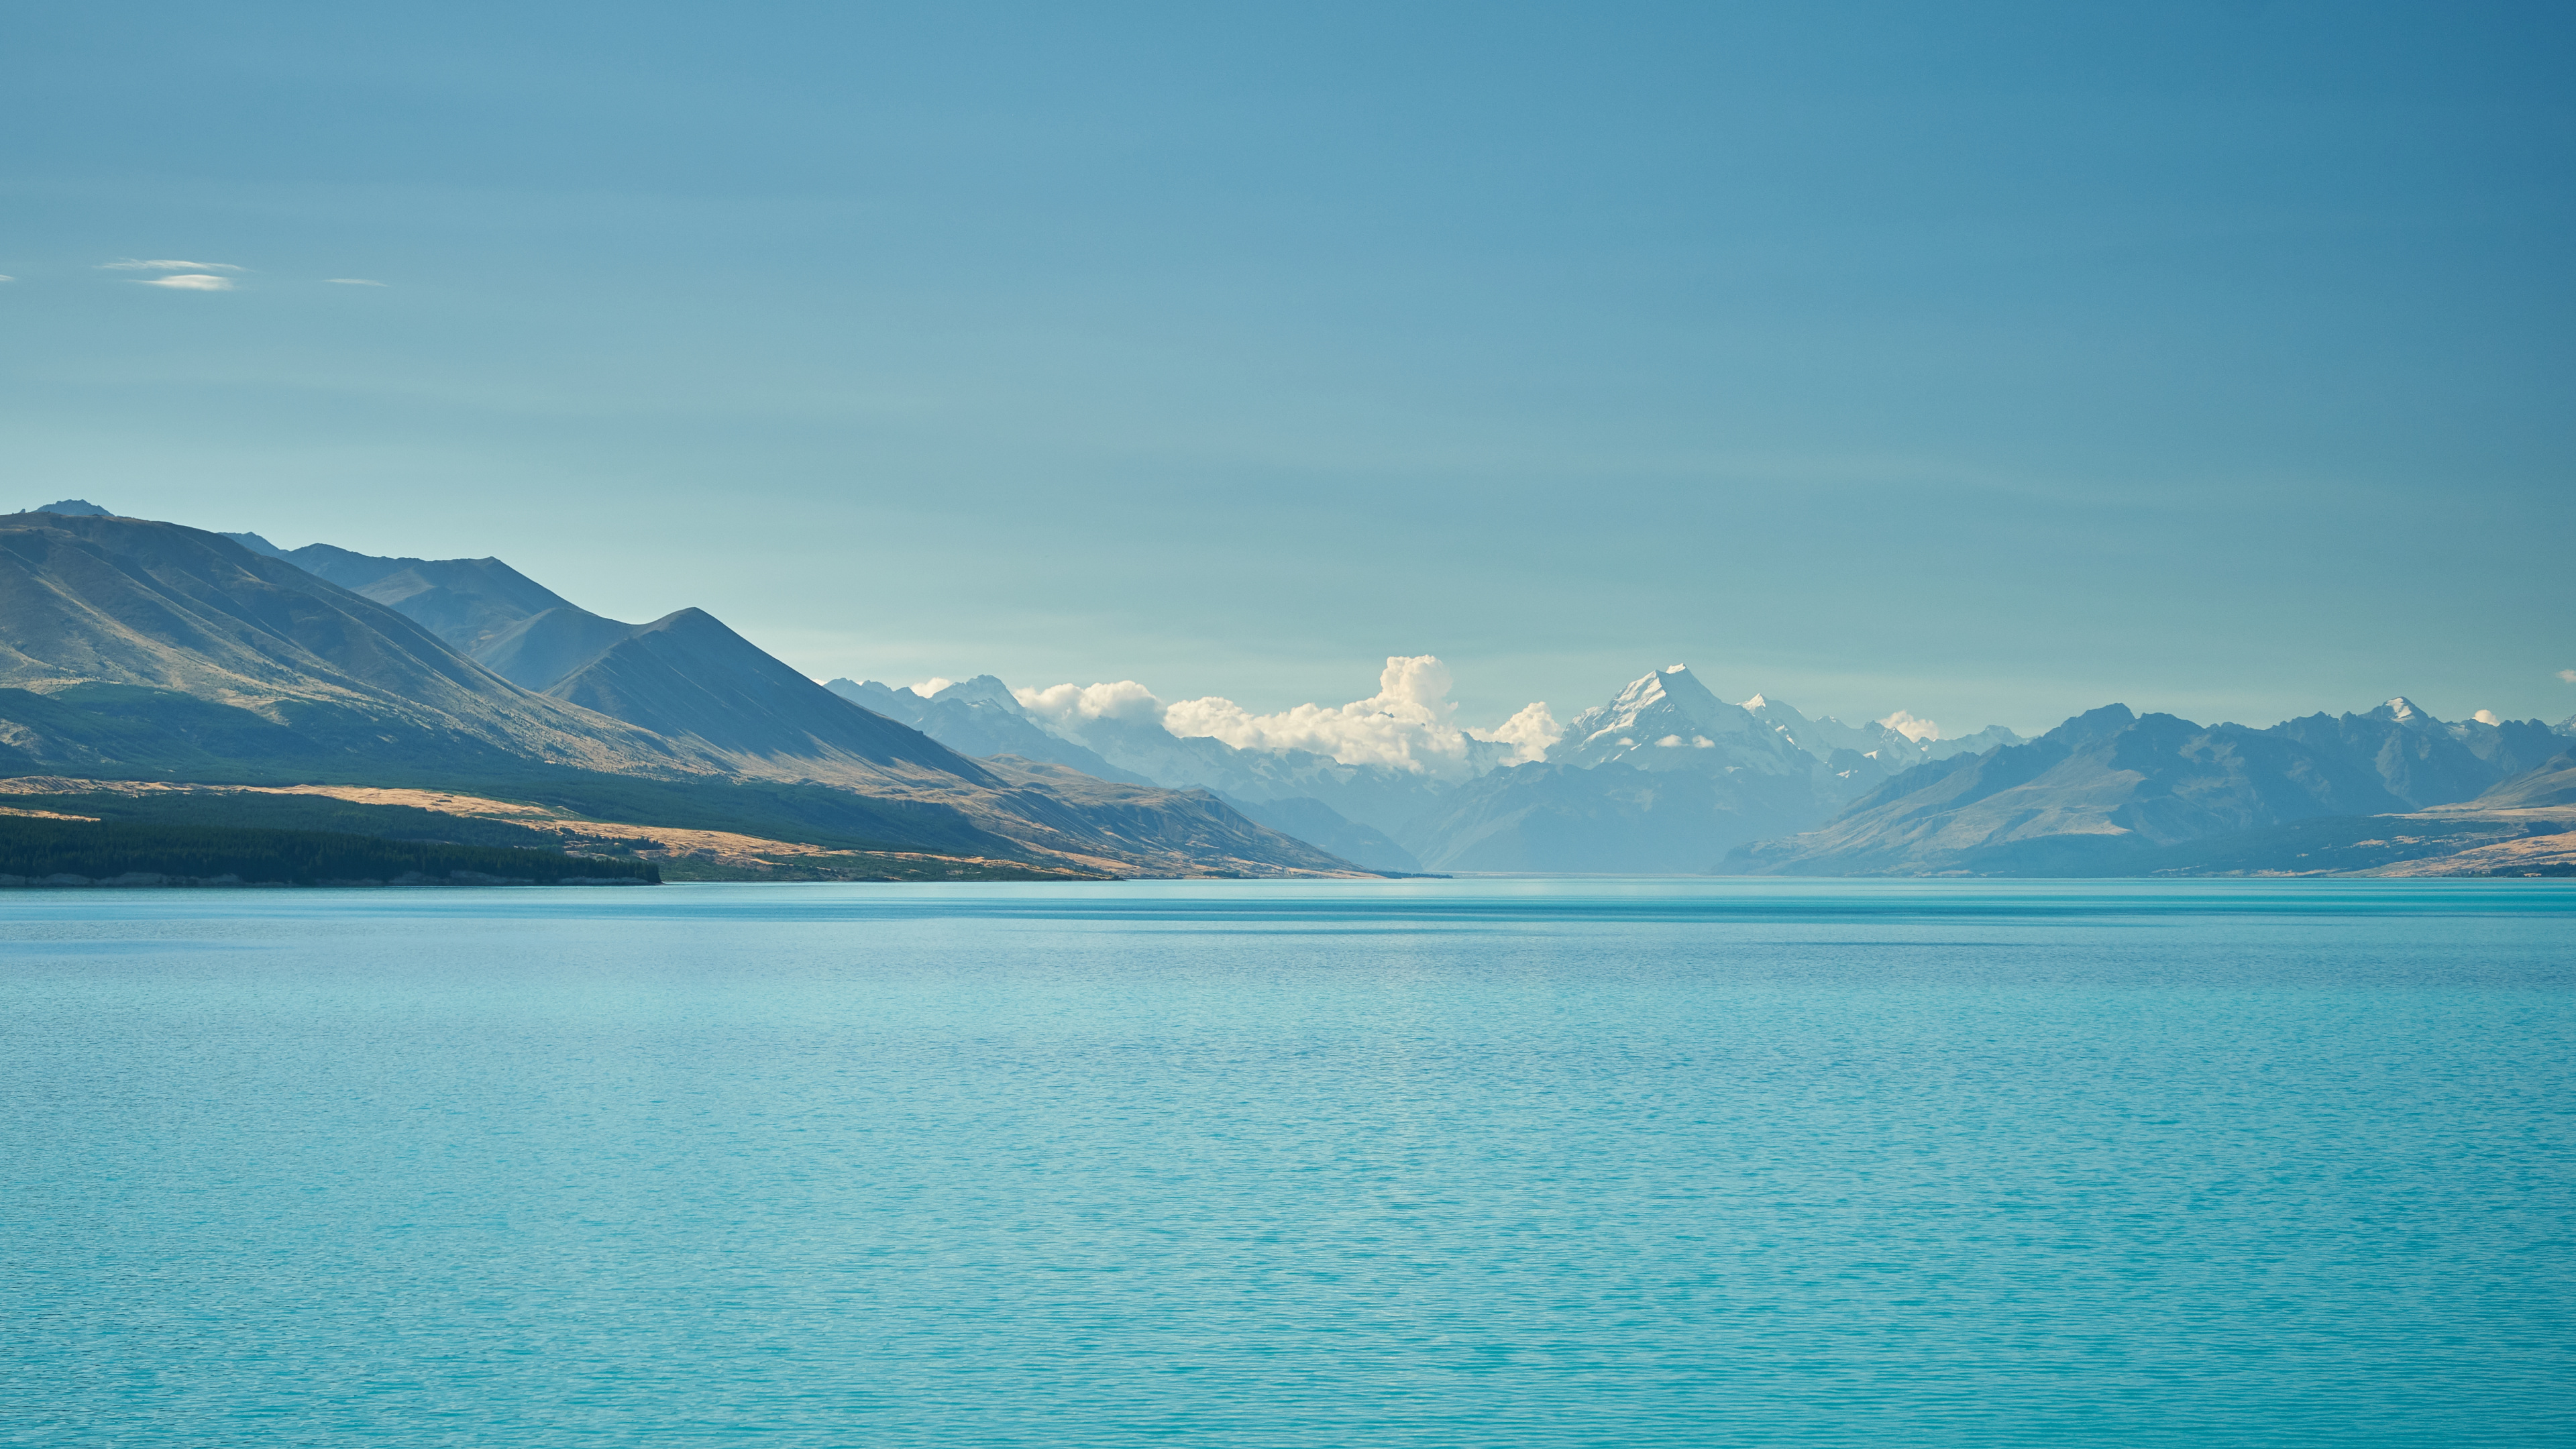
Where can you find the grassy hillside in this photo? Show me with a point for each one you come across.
(33, 850)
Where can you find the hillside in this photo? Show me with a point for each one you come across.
(2114, 793)
(130, 648)
(158, 648)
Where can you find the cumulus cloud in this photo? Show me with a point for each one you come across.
(2486, 716)
(2568, 674)
(1529, 733)
(355, 281)
(930, 686)
(1067, 706)
(1409, 724)
(131, 265)
(189, 282)
(1917, 730)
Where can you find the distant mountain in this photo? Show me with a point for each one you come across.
(686, 677)
(2421, 760)
(1665, 778)
(1381, 797)
(76, 508)
(1321, 825)
(1668, 720)
(1872, 751)
(466, 601)
(1614, 817)
(979, 717)
(1738, 772)
(134, 649)
(2552, 782)
(2110, 792)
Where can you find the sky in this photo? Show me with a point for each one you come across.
(1988, 362)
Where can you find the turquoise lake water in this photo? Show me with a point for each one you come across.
(1428, 1162)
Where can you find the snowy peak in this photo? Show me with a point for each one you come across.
(982, 689)
(1669, 720)
(2402, 710)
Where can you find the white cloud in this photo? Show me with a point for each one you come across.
(2486, 716)
(1408, 724)
(930, 686)
(1917, 730)
(131, 265)
(189, 282)
(1529, 733)
(8, 279)
(2568, 674)
(355, 281)
(1068, 705)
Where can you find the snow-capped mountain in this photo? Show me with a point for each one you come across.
(1872, 751)
(1665, 777)
(1669, 721)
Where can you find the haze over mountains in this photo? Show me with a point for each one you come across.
(144, 646)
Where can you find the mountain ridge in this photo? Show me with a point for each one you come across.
(131, 644)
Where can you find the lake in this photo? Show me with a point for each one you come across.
(1524, 1163)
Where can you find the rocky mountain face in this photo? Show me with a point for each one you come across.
(134, 649)
(2112, 793)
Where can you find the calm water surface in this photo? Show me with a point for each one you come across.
(1437, 1163)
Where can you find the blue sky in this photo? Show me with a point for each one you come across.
(1992, 363)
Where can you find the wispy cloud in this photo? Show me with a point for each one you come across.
(189, 282)
(355, 281)
(2568, 674)
(8, 279)
(131, 265)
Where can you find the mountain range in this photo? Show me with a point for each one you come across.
(2111, 792)
(137, 649)
(131, 649)
(1667, 777)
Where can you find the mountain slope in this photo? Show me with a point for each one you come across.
(978, 717)
(1668, 720)
(688, 678)
(1614, 818)
(1320, 825)
(2107, 790)
(538, 651)
(130, 648)
(464, 601)
(2550, 783)
(113, 613)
